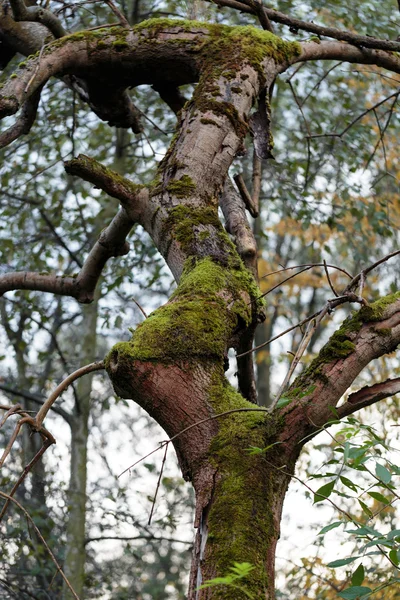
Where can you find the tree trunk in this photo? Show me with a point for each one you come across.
(74, 563)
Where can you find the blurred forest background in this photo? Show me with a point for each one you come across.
(330, 193)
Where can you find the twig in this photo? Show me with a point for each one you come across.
(122, 19)
(96, 366)
(346, 129)
(166, 442)
(300, 107)
(330, 282)
(139, 307)
(285, 280)
(158, 484)
(37, 531)
(311, 327)
(308, 265)
(47, 442)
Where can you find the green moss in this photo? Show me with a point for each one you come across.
(13, 76)
(341, 343)
(209, 122)
(195, 323)
(375, 310)
(236, 90)
(22, 65)
(120, 45)
(181, 188)
(240, 524)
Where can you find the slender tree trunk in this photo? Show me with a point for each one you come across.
(74, 563)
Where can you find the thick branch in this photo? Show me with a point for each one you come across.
(330, 50)
(295, 24)
(372, 332)
(238, 226)
(369, 395)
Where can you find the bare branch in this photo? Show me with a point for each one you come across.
(96, 366)
(369, 395)
(246, 197)
(121, 18)
(37, 14)
(23, 124)
(358, 118)
(111, 243)
(158, 484)
(34, 398)
(308, 265)
(150, 538)
(131, 195)
(330, 281)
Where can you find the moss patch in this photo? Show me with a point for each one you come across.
(240, 523)
(181, 188)
(340, 344)
(196, 323)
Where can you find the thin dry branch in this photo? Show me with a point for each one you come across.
(358, 118)
(37, 531)
(308, 265)
(47, 442)
(96, 366)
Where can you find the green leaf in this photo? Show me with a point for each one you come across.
(283, 402)
(394, 557)
(365, 508)
(341, 562)
(379, 497)
(241, 569)
(329, 527)
(324, 492)
(358, 576)
(382, 473)
(348, 483)
(355, 592)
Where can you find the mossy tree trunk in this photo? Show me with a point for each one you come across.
(174, 364)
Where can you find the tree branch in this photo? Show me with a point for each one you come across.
(369, 395)
(111, 242)
(37, 14)
(133, 197)
(26, 119)
(37, 399)
(296, 24)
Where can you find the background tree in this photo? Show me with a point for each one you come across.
(216, 305)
